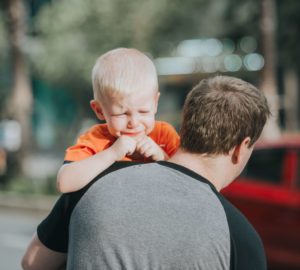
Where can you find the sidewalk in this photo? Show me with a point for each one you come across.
(28, 202)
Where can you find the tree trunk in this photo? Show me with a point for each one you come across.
(268, 82)
(291, 98)
(19, 106)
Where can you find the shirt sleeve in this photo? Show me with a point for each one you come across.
(169, 139)
(81, 150)
(96, 139)
(53, 231)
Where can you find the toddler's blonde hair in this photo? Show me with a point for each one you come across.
(123, 71)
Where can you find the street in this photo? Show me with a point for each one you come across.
(16, 230)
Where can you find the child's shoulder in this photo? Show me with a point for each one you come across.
(98, 131)
(163, 129)
(163, 125)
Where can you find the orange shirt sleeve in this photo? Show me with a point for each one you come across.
(166, 137)
(96, 139)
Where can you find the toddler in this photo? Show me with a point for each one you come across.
(125, 88)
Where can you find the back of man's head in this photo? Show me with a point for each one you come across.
(219, 113)
(123, 71)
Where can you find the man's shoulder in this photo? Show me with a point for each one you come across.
(157, 175)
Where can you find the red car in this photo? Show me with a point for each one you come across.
(268, 193)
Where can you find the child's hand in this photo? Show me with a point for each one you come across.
(149, 149)
(123, 146)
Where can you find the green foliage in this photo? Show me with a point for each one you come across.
(25, 185)
(4, 66)
(241, 18)
(289, 33)
(71, 34)
(3, 38)
(179, 20)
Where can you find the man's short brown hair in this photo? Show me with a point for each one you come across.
(219, 113)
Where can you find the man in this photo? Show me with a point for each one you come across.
(167, 214)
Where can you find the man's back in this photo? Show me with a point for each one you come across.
(149, 217)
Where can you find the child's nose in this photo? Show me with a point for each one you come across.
(133, 121)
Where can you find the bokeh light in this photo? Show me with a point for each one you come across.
(232, 62)
(253, 61)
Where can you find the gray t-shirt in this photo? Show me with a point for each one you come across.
(150, 216)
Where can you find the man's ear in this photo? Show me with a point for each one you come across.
(240, 151)
(96, 107)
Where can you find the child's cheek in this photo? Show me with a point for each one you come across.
(149, 123)
(118, 124)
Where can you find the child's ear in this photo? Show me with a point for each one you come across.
(156, 98)
(96, 107)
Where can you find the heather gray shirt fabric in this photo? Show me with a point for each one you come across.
(149, 217)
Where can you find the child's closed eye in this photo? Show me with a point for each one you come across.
(118, 114)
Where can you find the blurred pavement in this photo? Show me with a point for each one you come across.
(28, 202)
(19, 217)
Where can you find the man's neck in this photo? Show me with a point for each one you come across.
(213, 168)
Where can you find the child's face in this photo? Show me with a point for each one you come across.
(133, 115)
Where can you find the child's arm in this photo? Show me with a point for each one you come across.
(74, 176)
(149, 149)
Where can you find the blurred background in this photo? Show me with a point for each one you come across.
(48, 49)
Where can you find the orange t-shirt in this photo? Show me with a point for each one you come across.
(98, 138)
